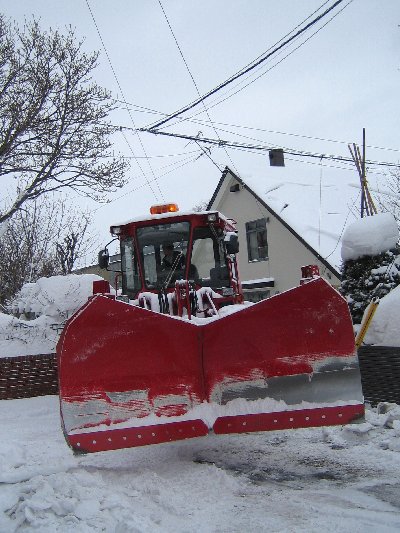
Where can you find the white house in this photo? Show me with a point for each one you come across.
(272, 251)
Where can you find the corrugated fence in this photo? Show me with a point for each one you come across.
(380, 373)
(36, 375)
(27, 376)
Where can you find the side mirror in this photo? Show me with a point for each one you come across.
(103, 258)
(232, 243)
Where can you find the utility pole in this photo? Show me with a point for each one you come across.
(367, 203)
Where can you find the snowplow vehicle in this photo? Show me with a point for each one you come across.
(175, 353)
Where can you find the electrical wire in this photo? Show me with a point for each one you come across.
(200, 122)
(230, 94)
(160, 156)
(130, 115)
(156, 178)
(349, 212)
(193, 80)
(245, 70)
(264, 147)
(259, 150)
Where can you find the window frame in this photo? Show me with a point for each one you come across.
(260, 226)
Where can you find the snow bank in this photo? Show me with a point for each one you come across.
(57, 297)
(384, 329)
(51, 301)
(370, 236)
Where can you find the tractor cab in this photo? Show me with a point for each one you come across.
(169, 249)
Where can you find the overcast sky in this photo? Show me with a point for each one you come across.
(344, 78)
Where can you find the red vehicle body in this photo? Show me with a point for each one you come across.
(176, 354)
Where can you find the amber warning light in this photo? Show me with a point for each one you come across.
(163, 208)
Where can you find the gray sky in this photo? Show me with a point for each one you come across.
(343, 79)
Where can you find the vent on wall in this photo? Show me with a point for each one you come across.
(234, 188)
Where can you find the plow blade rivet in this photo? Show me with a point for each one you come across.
(94, 442)
(139, 436)
(153, 434)
(291, 419)
(323, 416)
(124, 438)
(340, 415)
(109, 440)
(307, 418)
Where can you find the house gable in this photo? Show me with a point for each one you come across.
(289, 251)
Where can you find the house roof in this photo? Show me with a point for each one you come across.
(316, 213)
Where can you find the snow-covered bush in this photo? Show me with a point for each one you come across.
(371, 267)
(369, 277)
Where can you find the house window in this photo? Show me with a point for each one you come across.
(257, 244)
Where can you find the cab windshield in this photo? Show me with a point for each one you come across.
(163, 250)
(208, 258)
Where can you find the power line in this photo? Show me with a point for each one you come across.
(130, 115)
(246, 70)
(230, 94)
(251, 128)
(184, 162)
(300, 153)
(265, 147)
(160, 156)
(299, 135)
(193, 80)
(284, 37)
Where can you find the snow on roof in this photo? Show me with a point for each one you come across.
(318, 210)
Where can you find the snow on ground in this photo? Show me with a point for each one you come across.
(329, 479)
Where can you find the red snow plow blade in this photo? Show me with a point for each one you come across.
(131, 377)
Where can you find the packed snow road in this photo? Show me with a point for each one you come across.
(330, 479)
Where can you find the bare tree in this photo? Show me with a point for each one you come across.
(54, 128)
(201, 206)
(389, 200)
(74, 241)
(46, 239)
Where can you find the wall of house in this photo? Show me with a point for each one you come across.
(286, 253)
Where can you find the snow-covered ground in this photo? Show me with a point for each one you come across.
(309, 480)
(331, 479)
